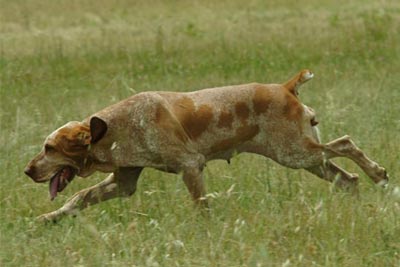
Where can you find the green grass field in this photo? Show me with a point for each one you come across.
(64, 60)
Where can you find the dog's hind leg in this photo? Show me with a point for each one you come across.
(121, 183)
(345, 147)
(336, 175)
(328, 170)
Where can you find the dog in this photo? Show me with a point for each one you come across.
(180, 132)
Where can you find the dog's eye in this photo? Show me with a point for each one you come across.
(49, 148)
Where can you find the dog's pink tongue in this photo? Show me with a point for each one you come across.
(54, 188)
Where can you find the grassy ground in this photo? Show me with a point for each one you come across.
(63, 60)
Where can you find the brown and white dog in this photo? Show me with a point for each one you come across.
(180, 132)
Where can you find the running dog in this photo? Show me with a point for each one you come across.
(180, 132)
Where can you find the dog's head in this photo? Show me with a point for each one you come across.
(64, 154)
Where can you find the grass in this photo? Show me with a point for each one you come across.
(63, 60)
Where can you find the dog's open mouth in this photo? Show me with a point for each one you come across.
(60, 180)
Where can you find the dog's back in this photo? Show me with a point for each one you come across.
(214, 122)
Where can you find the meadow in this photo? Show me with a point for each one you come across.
(64, 60)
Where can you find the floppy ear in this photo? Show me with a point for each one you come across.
(98, 129)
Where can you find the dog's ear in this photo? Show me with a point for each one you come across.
(98, 129)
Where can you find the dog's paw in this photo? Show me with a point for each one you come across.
(383, 177)
(383, 183)
(46, 218)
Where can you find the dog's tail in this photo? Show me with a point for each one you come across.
(293, 84)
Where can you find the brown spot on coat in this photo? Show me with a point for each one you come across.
(242, 110)
(247, 132)
(72, 142)
(293, 109)
(225, 119)
(194, 121)
(261, 99)
(313, 145)
(166, 120)
(243, 134)
(78, 134)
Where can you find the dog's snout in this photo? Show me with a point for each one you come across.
(30, 171)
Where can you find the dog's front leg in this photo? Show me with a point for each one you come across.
(193, 178)
(339, 177)
(121, 183)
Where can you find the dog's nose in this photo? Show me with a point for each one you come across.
(29, 171)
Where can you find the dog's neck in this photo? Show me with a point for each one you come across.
(93, 161)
